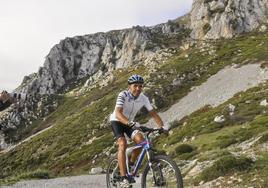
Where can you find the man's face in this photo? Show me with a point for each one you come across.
(135, 89)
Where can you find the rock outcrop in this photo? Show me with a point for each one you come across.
(81, 58)
(213, 19)
(96, 54)
(22, 115)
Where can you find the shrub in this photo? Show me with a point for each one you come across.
(225, 165)
(207, 1)
(174, 124)
(184, 148)
(38, 174)
(206, 28)
(264, 138)
(187, 156)
(174, 139)
(225, 141)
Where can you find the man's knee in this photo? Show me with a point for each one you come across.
(122, 143)
(138, 138)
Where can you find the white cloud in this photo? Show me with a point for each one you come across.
(29, 28)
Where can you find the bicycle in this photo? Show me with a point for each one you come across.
(160, 170)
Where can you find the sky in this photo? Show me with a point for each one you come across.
(30, 28)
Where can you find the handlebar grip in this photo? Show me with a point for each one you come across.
(144, 129)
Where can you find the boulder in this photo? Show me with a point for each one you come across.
(97, 170)
(219, 119)
(264, 103)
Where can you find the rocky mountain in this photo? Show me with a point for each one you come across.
(97, 54)
(213, 19)
(85, 60)
(72, 95)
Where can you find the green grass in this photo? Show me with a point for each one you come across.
(211, 140)
(38, 174)
(184, 151)
(260, 168)
(223, 166)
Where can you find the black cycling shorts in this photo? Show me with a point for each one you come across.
(119, 129)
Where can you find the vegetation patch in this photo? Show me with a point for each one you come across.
(226, 140)
(37, 174)
(264, 138)
(223, 166)
(261, 168)
(184, 148)
(206, 28)
(184, 151)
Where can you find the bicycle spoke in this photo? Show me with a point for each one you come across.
(112, 174)
(162, 173)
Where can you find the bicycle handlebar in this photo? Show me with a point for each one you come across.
(150, 130)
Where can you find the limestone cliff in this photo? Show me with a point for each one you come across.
(96, 54)
(213, 19)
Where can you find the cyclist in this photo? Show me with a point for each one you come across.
(128, 103)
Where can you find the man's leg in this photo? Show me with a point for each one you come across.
(122, 145)
(138, 138)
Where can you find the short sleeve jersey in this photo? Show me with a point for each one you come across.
(130, 105)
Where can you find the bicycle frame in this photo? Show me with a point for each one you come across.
(146, 146)
(153, 166)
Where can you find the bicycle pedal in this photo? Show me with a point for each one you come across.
(132, 181)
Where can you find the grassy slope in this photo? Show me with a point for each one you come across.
(210, 140)
(62, 149)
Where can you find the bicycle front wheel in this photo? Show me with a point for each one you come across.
(112, 173)
(163, 172)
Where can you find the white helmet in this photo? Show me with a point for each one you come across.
(135, 79)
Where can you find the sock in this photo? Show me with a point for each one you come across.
(123, 177)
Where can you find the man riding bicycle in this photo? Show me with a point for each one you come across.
(128, 103)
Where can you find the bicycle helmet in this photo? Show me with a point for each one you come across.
(135, 79)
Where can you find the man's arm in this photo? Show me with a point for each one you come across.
(120, 116)
(157, 118)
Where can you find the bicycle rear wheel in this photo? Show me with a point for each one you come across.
(164, 172)
(112, 173)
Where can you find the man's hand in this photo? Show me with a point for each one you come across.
(165, 129)
(134, 125)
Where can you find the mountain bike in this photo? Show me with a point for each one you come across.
(159, 171)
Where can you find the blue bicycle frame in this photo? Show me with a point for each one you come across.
(146, 146)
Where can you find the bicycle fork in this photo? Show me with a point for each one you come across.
(150, 156)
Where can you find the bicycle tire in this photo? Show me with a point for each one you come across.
(110, 168)
(166, 159)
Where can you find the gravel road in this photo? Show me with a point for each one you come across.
(85, 181)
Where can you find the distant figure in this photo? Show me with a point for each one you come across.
(6, 99)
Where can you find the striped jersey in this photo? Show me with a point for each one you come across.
(131, 105)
